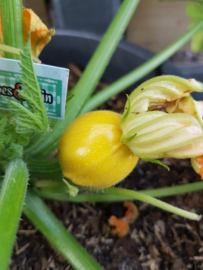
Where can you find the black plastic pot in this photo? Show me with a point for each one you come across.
(78, 47)
(90, 15)
(189, 70)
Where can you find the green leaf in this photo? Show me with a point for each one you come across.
(128, 139)
(127, 110)
(2, 114)
(44, 168)
(156, 162)
(3, 123)
(195, 11)
(23, 140)
(197, 42)
(15, 151)
(33, 118)
(10, 152)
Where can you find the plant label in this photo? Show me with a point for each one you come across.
(53, 82)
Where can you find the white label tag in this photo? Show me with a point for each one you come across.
(53, 82)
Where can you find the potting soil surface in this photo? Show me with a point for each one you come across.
(156, 240)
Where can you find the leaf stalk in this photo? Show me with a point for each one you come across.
(12, 197)
(13, 33)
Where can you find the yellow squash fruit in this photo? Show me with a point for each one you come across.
(90, 151)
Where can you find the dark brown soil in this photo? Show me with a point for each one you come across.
(157, 239)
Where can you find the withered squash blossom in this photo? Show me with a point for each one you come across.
(40, 34)
(162, 119)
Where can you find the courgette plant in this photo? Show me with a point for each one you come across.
(27, 137)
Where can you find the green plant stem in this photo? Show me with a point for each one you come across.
(12, 22)
(175, 190)
(40, 215)
(52, 189)
(57, 192)
(49, 184)
(90, 77)
(12, 197)
(151, 200)
(139, 72)
(16, 51)
(9, 49)
(52, 193)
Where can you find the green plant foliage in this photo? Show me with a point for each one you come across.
(23, 122)
(33, 118)
(195, 11)
(127, 110)
(44, 168)
(156, 162)
(8, 142)
(3, 123)
(128, 139)
(15, 150)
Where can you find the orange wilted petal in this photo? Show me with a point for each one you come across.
(122, 224)
(40, 34)
(131, 213)
(121, 227)
(199, 161)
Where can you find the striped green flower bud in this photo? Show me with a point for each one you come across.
(161, 119)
